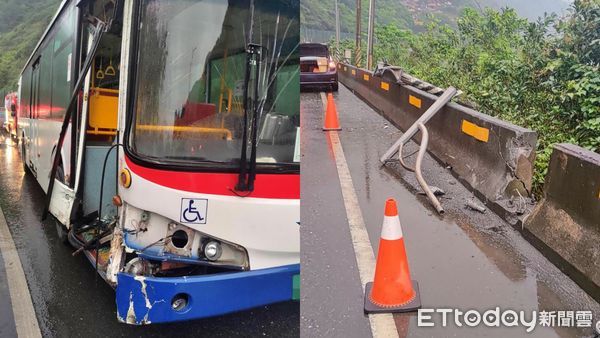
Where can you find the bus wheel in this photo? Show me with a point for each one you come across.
(61, 232)
(24, 159)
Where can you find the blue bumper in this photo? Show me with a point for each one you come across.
(145, 300)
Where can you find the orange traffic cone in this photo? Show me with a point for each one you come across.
(331, 118)
(392, 290)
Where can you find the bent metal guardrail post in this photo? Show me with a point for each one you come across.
(435, 107)
(420, 179)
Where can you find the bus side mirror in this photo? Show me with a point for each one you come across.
(13, 109)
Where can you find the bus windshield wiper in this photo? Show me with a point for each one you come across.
(253, 61)
(242, 184)
(258, 51)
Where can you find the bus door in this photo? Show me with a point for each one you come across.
(63, 196)
(33, 150)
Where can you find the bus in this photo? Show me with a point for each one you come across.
(166, 136)
(11, 105)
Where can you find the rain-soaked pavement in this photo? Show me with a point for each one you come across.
(7, 324)
(464, 260)
(70, 301)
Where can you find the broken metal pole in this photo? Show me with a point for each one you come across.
(435, 107)
(401, 158)
(420, 179)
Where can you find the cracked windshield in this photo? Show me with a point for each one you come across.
(190, 99)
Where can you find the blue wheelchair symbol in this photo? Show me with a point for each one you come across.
(191, 214)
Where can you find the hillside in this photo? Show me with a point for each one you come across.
(21, 26)
(317, 14)
(413, 14)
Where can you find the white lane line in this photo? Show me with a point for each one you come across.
(382, 325)
(22, 306)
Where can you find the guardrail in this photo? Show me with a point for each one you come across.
(492, 157)
(567, 219)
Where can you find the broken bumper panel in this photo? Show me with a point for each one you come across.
(145, 300)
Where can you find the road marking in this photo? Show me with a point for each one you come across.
(382, 325)
(22, 306)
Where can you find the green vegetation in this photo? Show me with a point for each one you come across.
(543, 75)
(320, 15)
(21, 26)
(411, 14)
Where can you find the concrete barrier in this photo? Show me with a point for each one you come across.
(490, 156)
(567, 219)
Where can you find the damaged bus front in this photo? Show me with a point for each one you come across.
(181, 153)
(209, 175)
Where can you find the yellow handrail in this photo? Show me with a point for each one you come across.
(186, 129)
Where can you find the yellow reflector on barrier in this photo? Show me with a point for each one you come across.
(366, 77)
(415, 101)
(353, 72)
(385, 85)
(477, 132)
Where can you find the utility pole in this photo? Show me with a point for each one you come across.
(337, 27)
(357, 53)
(370, 34)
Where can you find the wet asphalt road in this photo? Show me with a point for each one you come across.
(68, 298)
(464, 260)
(7, 324)
(329, 276)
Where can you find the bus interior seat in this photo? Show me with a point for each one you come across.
(194, 112)
(104, 106)
(104, 91)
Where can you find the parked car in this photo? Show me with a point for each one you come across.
(317, 68)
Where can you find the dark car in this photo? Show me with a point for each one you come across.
(317, 68)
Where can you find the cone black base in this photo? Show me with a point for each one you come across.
(414, 305)
(330, 129)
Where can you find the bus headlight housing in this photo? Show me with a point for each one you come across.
(212, 250)
(218, 252)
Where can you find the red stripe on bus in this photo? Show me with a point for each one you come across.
(283, 186)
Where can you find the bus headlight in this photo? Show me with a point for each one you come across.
(212, 250)
(218, 252)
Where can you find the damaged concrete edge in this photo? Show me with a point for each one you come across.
(565, 224)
